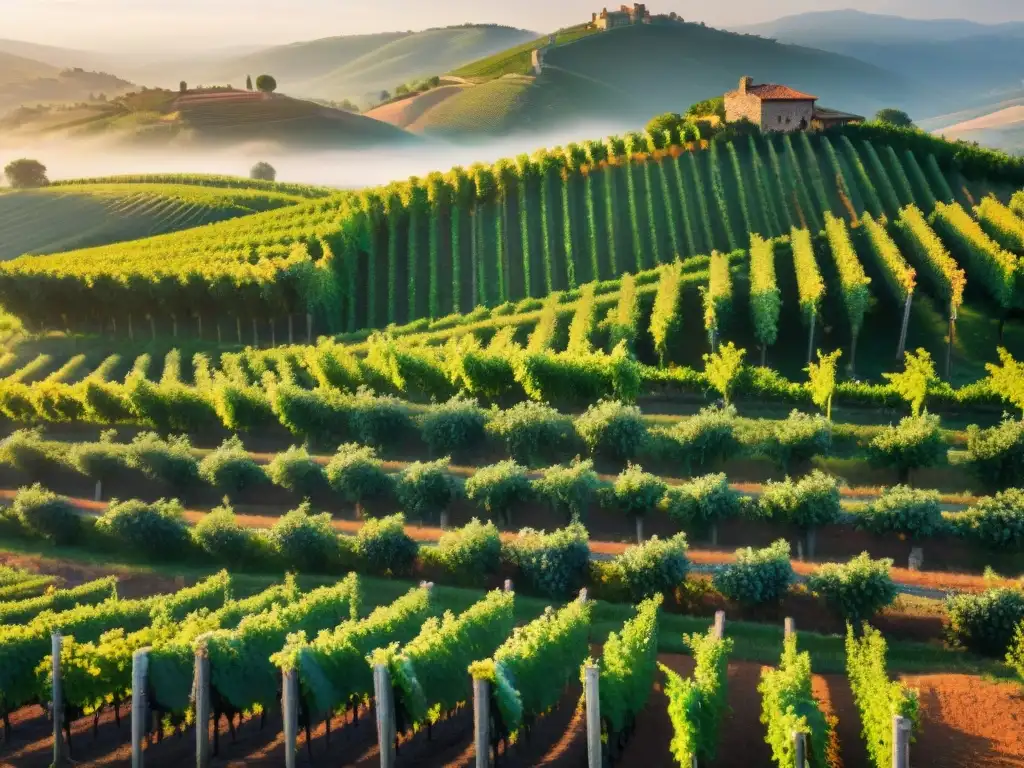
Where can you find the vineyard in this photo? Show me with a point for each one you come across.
(535, 463)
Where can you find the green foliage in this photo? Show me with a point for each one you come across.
(296, 471)
(990, 266)
(666, 317)
(1007, 379)
(878, 699)
(997, 522)
(553, 564)
(796, 440)
(266, 84)
(531, 431)
(654, 567)
(856, 590)
(702, 501)
(26, 174)
(896, 118)
(723, 367)
(454, 426)
(627, 667)
(853, 281)
(569, 489)
(914, 442)
(156, 530)
(499, 487)
(100, 461)
(385, 547)
(470, 551)
(230, 468)
(167, 461)
(757, 577)
(718, 295)
(821, 380)
(696, 706)
(985, 623)
(635, 492)
(705, 438)
(765, 297)
(1015, 653)
(58, 600)
(613, 429)
(357, 474)
(788, 706)
(221, 537)
(305, 542)
(811, 501)
(530, 671)
(44, 513)
(906, 511)
(912, 383)
(25, 451)
(425, 490)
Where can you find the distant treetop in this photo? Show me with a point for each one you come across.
(266, 84)
(26, 174)
(896, 117)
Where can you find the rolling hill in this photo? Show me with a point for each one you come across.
(64, 218)
(355, 66)
(967, 58)
(671, 65)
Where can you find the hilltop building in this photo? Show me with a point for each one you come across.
(781, 109)
(624, 17)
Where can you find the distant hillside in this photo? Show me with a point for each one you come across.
(16, 69)
(1000, 126)
(64, 218)
(218, 117)
(58, 58)
(43, 84)
(355, 66)
(625, 76)
(966, 58)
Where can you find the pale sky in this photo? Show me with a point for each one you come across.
(191, 24)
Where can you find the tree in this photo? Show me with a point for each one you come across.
(266, 84)
(822, 380)
(1007, 380)
(248, 82)
(722, 368)
(182, 87)
(896, 117)
(669, 121)
(912, 383)
(26, 174)
(708, 107)
(263, 172)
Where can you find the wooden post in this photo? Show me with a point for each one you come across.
(714, 534)
(309, 327)
(812, 540)
(810, 340)
(131, 332)
(639, 529)
(273, 333)
(290, 712)
(98, 496)
(238, 328)
(140, 707)
(199, 325)
(719, 624)
(291, 329)
(949, 345)
(482, 722)
(583, 595)
(255, 334)
(900, 742)
(592, 679)
(790, 626)
(903, 330)
(800, 749)
(56, 641)
(202, 694)
(508, 585)
(385, 715)
(444, 519)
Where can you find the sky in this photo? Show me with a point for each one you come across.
(150, 25)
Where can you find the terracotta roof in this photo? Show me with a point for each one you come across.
(772, 92)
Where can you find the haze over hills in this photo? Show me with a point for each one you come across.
(28, 81)
(971, 60)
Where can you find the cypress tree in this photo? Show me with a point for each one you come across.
(437, 198)
(392, 211)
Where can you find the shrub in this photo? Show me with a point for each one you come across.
(531, 431)
(386, 547)
(702, 501)
(470, 552)
(44, 513)
(857, 590)
(707, 437)
(757, 576)
(1015, 653)
(498, 487)
(654, 567)
(25, 451)
(636, 492)
(457, 425)
(156, 530)
(378, 420)
(554, 564)
(425, 490)
(167, 461)
(569, 489)
(998, 521)
(788, 705)
(811, 501)
(985, 623)
(296, 471)
(220, 536)
(915, 442)
(230, 468)
(904, 510)
(798, 439)
(99, 461)
(358, 475)
(613, 429)
(305, 542)
(997, 455)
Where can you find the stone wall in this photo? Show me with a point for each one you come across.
(742, 105)
(786, 116)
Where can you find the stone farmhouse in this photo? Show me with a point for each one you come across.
(781, 109)
(624, 17)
